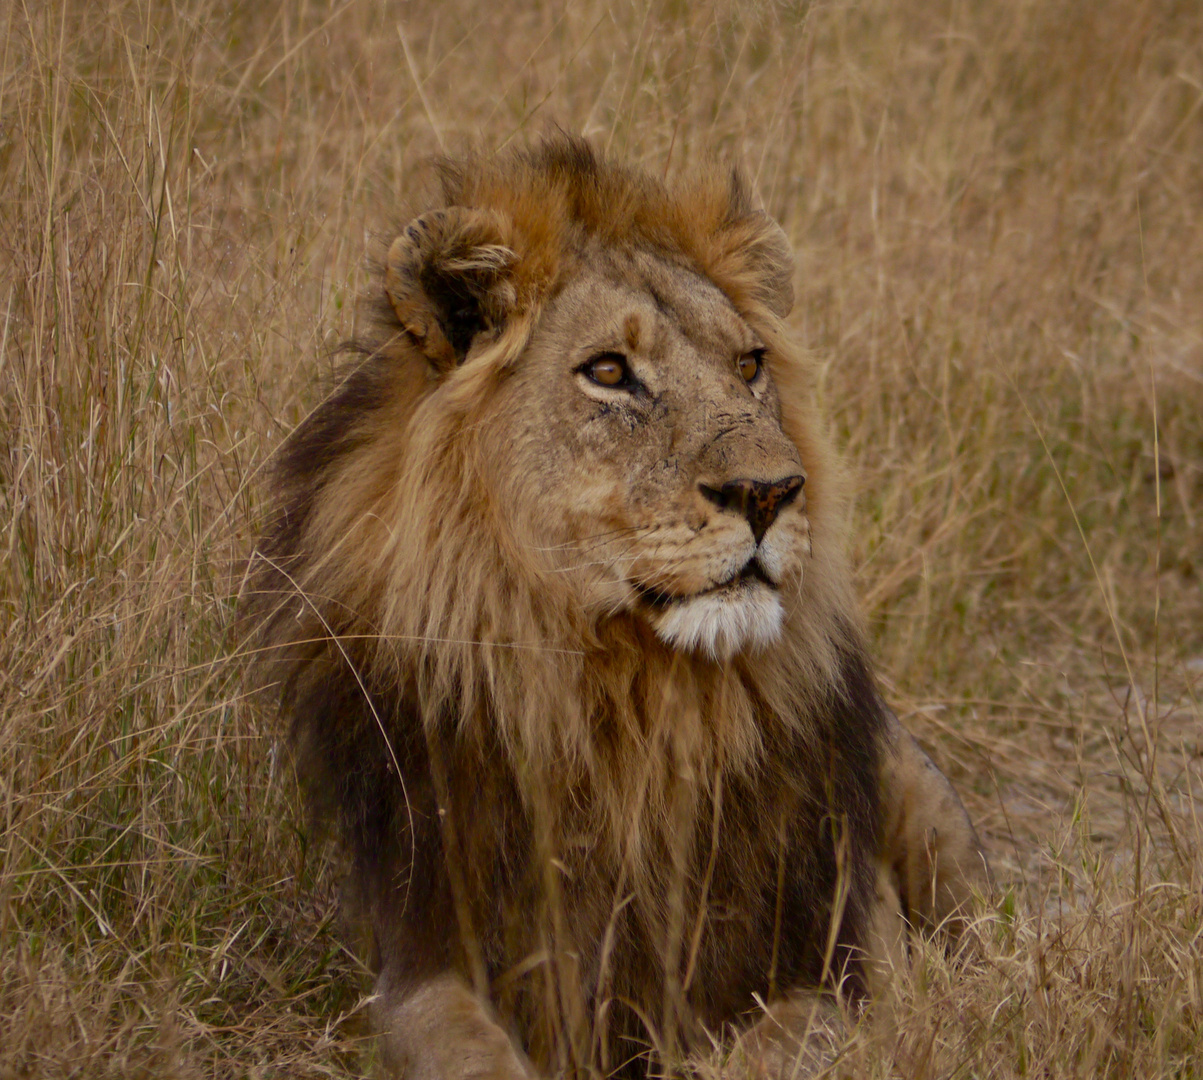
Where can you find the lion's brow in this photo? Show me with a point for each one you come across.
(632, 330)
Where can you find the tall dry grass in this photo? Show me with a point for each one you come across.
(998, 214)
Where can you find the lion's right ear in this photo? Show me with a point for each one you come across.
(447, 277)
(773, 258)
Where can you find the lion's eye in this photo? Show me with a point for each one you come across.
(609, 369)
(749, 364)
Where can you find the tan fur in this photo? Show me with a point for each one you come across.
(601, 755)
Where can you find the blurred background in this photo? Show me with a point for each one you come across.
(997, 210)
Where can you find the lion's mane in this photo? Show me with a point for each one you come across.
(627, 840)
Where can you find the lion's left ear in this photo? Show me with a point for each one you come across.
(769, 258)
(447, 277)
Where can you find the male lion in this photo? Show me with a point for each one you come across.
(560, 610)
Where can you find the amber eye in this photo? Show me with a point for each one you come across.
(609, 369)
(749, 364)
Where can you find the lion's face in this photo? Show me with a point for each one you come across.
(640, 437)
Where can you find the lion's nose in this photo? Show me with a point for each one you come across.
(759, 501)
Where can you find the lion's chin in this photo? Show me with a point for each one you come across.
(722, 622)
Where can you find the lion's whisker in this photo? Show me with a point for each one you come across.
(629, 530)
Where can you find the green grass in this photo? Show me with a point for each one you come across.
(997, 211)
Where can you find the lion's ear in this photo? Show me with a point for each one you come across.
(447, 277)
(772, 262)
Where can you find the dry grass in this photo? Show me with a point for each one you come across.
(998, 212)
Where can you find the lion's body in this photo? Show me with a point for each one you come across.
(599, 736)
(542, 873)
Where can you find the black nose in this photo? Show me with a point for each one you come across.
(759, 501)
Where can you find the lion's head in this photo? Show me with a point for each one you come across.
(634, 446)
(572, 416)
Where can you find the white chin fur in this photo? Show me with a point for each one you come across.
(721, 624)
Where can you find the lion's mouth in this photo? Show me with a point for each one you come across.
(751, 572)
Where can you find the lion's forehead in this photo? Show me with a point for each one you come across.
(645, 300)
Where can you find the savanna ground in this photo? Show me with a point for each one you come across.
(997, 209)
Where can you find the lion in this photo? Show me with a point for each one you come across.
(559, 611)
